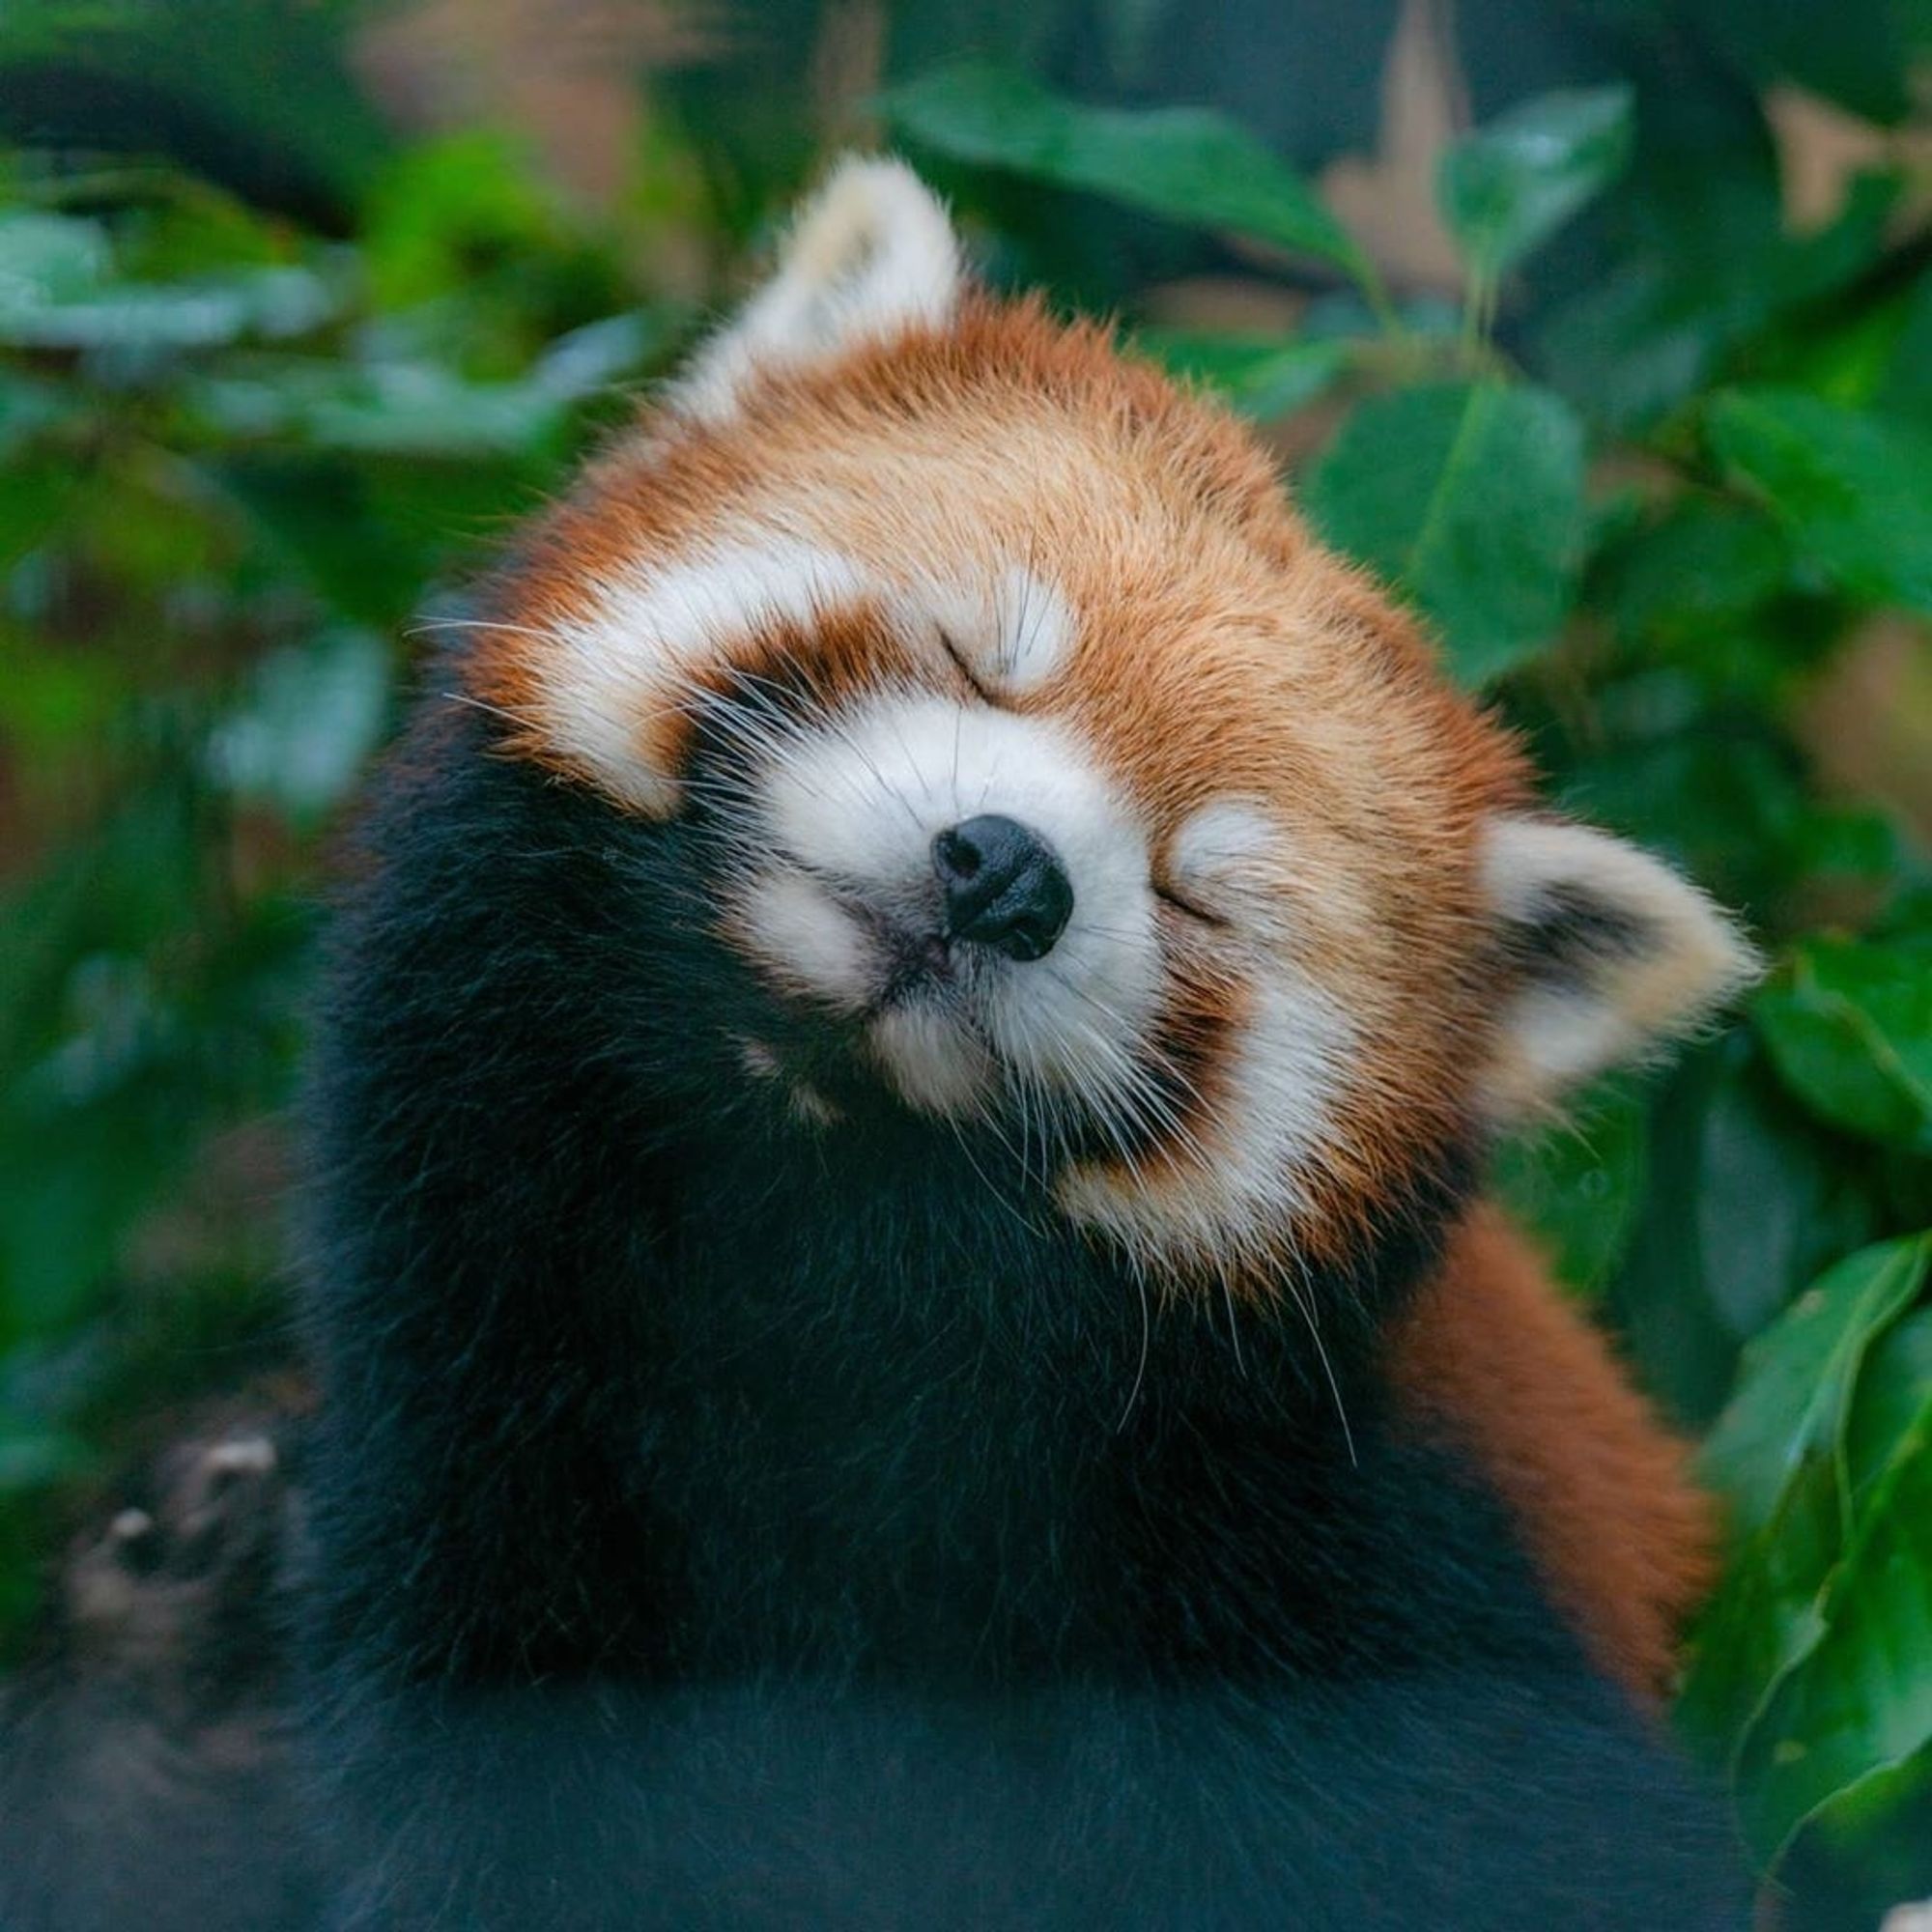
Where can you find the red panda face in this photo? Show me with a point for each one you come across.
(1066, 784)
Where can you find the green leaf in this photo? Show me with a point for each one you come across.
(1263, 377)
(1794, 1397)
(391, 409)
(1866, 1849)
(1187, 164)
(1848, 1025)
(1716, 787)
(35, 1458)
(1906, 387)
(58, 291)
(1768, 1210)
(323, 524)
(53, 703)
(1713, 266)
(1505, 187)
(312, 719)
(1577, 1185)
(50, 258)
(443, 206)
(1705, 565)
(80, 1175)
(1762, 1622)
(1747, 1200)
(607, 352)
(38, 493)
(1851, 489)
(1781, 1453)
(1850, 842)
(182, 315)
(27, 407)
(1894, 1387)
(1468, 499)
(1860, 1701)
(1859, 55)
(274, 78)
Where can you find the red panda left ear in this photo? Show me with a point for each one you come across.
(873, 253)
(1606, 953)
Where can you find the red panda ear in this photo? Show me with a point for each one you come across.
(1608, 954)
(873, 253)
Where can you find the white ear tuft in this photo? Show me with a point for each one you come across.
(871, 254)
(1610, 953)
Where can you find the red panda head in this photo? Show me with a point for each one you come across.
(1070, 787)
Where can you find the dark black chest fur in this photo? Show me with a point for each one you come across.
(887, 1434)
(705, 1389)
(721, 1522)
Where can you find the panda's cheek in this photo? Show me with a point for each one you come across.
(802, 942)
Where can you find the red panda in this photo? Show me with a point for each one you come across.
(907, 1329)
(1024, 479)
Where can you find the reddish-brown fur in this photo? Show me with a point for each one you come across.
(1497, 1360)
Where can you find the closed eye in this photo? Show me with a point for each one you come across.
(1187, 906)
(967, 671)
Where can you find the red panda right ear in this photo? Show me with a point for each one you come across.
(1607, 953)
(873, 253)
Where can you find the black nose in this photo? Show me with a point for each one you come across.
(1005, 887)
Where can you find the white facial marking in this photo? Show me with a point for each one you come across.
(760, 1061)
(812, 1106)
(1223, 859)
(1246, 1174)
(936, 1064)
(653, 626)
(807, 941)
(1245, 1166)
(854, 802)
(806, 1103)
(1013, 630)
(241, 1455)
(860, 800)
(871, 255)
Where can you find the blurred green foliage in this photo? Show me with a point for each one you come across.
(249, 456)
(241, 461)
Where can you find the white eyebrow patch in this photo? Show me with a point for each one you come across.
(1013, 630)
(652, 626)
(1226, 858)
